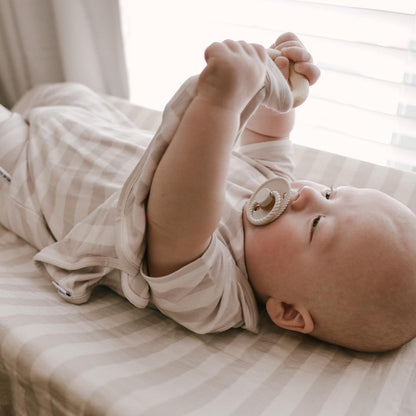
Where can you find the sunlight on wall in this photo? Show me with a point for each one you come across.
(173, 36)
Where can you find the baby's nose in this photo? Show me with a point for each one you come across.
(302, 197)
(294, 195)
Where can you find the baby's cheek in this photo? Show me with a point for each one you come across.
(278, 238)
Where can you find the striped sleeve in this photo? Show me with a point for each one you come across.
(275, 156)
(208, 295)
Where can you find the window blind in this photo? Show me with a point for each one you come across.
(363, 106)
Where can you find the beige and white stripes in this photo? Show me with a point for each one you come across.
(108, 358)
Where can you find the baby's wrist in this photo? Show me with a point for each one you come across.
(268, 122)
(220, 103)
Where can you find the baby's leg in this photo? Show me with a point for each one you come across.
(70, 94)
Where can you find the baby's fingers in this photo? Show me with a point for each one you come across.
(286, 38)
(214, 50)
(310, 71)
(297, 54)
(283, 65)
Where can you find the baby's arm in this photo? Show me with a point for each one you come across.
(266, 124)
(187, 192)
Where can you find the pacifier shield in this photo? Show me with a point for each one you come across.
(269, 201)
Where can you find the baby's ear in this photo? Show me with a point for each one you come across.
(293, 317)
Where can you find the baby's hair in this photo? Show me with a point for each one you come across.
(381, 323)
(383, 334)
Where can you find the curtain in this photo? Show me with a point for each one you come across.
(59, 40)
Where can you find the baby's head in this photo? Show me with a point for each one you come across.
(339, 265)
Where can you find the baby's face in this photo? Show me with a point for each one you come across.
(338, 264)
(323, 236)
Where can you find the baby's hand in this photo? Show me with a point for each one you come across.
(234, 73)
(292, 49)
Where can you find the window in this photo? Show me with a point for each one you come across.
(364, 105)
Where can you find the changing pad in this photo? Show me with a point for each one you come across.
(106, 357)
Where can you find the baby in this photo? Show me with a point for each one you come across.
(339, 264)
(165, 224)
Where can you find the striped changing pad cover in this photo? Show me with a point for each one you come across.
(108, 358)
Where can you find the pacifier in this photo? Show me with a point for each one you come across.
(268, 202)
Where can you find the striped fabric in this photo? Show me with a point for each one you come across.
(84, 176)
(106, 357)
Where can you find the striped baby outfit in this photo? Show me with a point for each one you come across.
(78, 193)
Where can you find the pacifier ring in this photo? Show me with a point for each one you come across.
(268, 215)
(268, 202)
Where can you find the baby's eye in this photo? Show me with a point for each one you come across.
(329, 192)
(315, 223)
